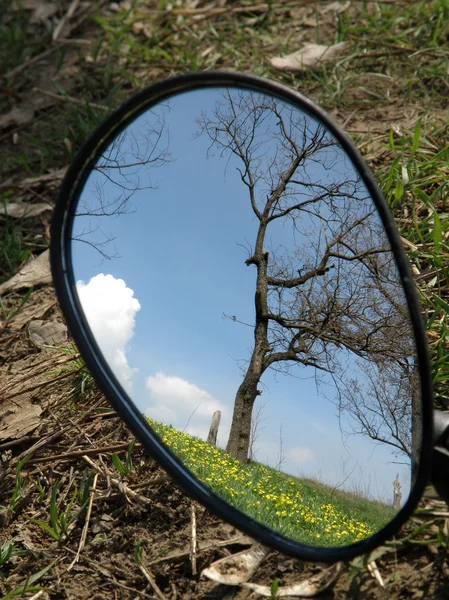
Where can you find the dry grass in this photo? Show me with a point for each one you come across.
(389, 92)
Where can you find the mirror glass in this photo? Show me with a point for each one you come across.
(232, 265)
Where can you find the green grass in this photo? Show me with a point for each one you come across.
(13, 251)
(303, 510)
(16, 496)
(124, 468)
(415, 181)
(83, 384)
(28, 585)
(15, 48)
(6, 551)
(62, 519)
(406, 49)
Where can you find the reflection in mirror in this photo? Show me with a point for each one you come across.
(230, 261)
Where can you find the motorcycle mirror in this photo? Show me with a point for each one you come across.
(235, 283)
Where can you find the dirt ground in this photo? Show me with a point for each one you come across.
(137, 541)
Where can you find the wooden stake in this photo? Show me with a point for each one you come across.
(213, 431)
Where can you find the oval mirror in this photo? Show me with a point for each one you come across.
(227, 254)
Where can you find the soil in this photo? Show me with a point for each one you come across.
(144, 510)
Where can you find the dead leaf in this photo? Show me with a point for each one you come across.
(47, 333)
(18, 418)
(145, 29)
(238, 568)
(359, 562)
(372, 8)
(35, 272)
(44, 11)
(306, 589)
(178, 555)
(335, 7)
(375, 573)
(19, 210)
(41, 10)
(54, 175)
(308, 56)
(16, 116)
(25, 315)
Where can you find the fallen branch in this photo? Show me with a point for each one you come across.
(238, 568)
(374, 572)
(193, 546)
(306, 589)
(86, 524)
(71, 100)
(122, 487)
(69, 14)
(43, 384)
(78, 453)
(152, 582)
(180, 555)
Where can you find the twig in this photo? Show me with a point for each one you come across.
(211, 12)
(70, 99)
(54, 436)
(371, 140)
(152, 582)
(11, 444)
(408, 244)
(77, 453)
(86, 524)
(69, 14)
(110, 576)
(29, 62)
(113, 496)
(40, 370)
(130, 589)
(75, 41)
(122, 487)
(43, 384)
(203, 547)
(193, 538)
(151, 482)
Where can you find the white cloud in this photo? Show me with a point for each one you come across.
(268, 453)
(176, 401)
(319, 427)
(110, 309)
(299, 455)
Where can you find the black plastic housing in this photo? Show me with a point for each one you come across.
(79, 328)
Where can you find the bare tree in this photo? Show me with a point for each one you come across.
(330, 293)
(125, 168)
(384, 404)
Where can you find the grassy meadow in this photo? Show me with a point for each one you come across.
(303, 510)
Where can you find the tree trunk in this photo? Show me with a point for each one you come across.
(239, 436)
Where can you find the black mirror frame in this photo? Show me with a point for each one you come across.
(60, 257)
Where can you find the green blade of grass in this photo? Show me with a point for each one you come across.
(25, 586)
(51, 532)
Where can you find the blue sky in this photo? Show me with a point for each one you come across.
(157, 307)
